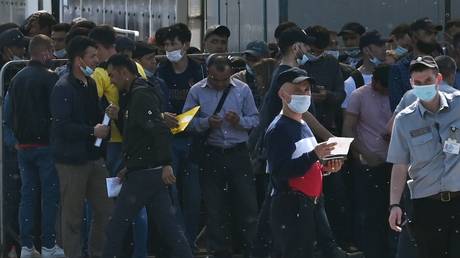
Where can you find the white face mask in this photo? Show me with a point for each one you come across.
(174, 56)
(300, 103)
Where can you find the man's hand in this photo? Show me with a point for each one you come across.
(333, 165)
(215, 121)
(121, 175)
(395, 219)
(232, 117)
(112, 111)
(324, 149)
(168, 175)
(170, 120)
(101, 131)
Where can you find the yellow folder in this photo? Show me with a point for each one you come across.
(184, 119)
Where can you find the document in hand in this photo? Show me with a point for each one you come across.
(106, 122)
(341, 149)
(184, 119)
(113, 186)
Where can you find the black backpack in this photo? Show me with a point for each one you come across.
(358, 78)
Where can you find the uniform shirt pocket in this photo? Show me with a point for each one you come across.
(423, 147)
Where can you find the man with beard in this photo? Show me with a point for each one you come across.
(423, 34)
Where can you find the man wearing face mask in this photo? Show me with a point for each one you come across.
(254, 53)
(180, 73)
(58, 34)
(350, 33)
(366, 118)
(425, 146)
(76, 118)
(28, 115)
(401, 39)
(296, 174)
(423, 35)
(372, 46)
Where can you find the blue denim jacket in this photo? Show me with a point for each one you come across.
(399, 81)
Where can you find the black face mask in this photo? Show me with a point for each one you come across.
(426, 47)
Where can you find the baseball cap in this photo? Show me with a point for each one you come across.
(220, 30)
(425, 24)
(257, 48)
(142, 49)
(293, 35)
(371, 38)
(352, 27)
(294, 75)
(124, 43)
(12, 37)
(427, 61)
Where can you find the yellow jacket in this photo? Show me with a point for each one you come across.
(110, 91)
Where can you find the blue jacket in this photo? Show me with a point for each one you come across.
(399, 81)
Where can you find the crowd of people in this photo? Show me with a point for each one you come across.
(250, 174)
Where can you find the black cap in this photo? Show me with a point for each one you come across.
(124, 43)
(220, 30)
(294, 75)
(294, 35)
(12, 37)
(371, 38)
(427, 61)
(425, 24)
(142, 49)
(352, 27)
(257, 48)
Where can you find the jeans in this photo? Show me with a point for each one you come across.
(371, 198)
(293, 224)
(229, 192)
(140, 225)
(188, 187)
(11, 197)
(145, 188)
(38, 173)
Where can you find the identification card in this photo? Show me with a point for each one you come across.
(451, 146)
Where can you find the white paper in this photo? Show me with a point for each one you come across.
(113, 186)
(342, 147)
(106, 121)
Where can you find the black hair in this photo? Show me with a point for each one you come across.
(104, 35)
(123, 61)
(76, 31)
(447, 65)
(194, 50)
(401, 30)
(321, 35)
(78, 45)
(7, 26)
(282, 27)
(85, 24)
(452, 23)
(421, 67)
(65, 27)
(178, 30)
(45, 19)
(381, 74)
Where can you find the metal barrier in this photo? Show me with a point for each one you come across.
(2, 88)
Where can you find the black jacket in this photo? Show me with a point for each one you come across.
(29, 91)
(146, 138)
(75, 110)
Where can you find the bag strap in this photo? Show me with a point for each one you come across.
(222, 100)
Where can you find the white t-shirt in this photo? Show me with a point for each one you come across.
(350, 86)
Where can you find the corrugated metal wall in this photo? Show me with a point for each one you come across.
(13, 11)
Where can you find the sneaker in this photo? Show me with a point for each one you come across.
(54, 252)
(27, 252)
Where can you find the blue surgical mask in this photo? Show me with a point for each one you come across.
(312, 58)
(400, 51)
(148, 73)
(425, 92)
(249, 69)
(87, 71)
(174, 56)
(334, 53)
(60, 53)
(303, 60)
(353, 53)
(300, 103)
(375, 61)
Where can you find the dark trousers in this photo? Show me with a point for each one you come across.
(293, 225)
(371, 198)
(436, 227)
(227, 183)
(145, 188)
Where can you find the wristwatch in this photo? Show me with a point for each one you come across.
(394, 205)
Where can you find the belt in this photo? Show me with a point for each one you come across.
(140, 168)
(238, 147)
(445, 196)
